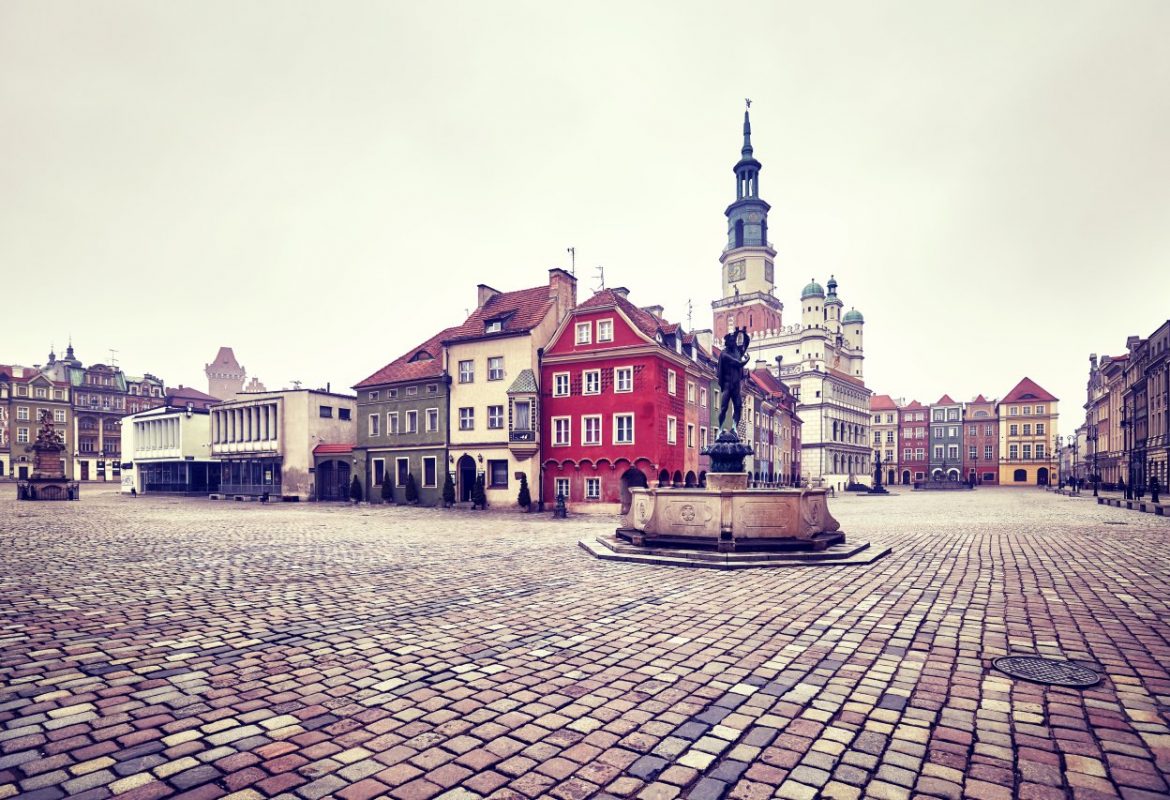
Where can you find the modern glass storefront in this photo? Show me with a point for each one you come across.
(179, 477)
(250, 476)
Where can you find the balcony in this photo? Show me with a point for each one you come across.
(523, 442)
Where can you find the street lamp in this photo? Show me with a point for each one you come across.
(1091, 436)
(1059, 458)
(1125, 451)
(1075, 449)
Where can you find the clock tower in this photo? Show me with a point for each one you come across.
(747, 260)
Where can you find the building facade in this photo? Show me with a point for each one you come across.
(946, 439)
(621, 404)
(1027, 423)
(31, 392)
(981, 442)
(166, 452)
(886, 429)
(913, 433)
(264, 443)
(821, 356)
(403, 414)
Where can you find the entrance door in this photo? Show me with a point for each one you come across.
(85, 470)
(1042, 476)
(466, 467)
(905, 477)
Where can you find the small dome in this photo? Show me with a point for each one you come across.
(853, 315)
(813, 289)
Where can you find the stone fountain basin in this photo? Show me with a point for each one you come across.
(727, 515)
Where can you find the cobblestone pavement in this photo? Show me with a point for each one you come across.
(187, 648)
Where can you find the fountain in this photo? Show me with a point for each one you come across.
(48, 481)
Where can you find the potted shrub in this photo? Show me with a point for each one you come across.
(525, 498)
(387, 489)
(411, 489)
(449, 491)
(355, 490)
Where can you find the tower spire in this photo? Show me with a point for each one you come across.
(746, 152)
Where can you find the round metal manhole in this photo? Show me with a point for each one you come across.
(1050, 671)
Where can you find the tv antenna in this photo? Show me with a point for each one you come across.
(296, 384)
(690, 315)
(601, 277)
(572, 260)
(113, 357)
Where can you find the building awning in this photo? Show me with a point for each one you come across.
(332, 449)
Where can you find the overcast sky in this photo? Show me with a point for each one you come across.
(322, 185)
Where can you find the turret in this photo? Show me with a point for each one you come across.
(833, 306)
(854, 323)
(812, 305)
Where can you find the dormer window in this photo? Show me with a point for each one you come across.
(421, 355)
(493, 326)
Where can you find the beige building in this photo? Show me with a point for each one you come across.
(1027, 436)
(264, 442)
(167, 451)
(493, 362)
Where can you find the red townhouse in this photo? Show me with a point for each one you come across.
(778, 443)
(914, 440)
(981, 442)
(620, 389)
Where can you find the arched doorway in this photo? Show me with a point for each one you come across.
(632, 477)
(689, 480)
(1042, 476)
(936, 474)
(1020, 476)
(890, 476)
(905, 477)
(333, 480)
(465, 468)
(953, 475)
(663, 479)
(676, 481)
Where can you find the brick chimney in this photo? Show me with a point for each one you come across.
(621, 292)
(562, 287)
(486, 293)
(655, 310)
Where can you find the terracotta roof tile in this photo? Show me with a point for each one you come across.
(882, 402)
(646, 322)
(836, 373)
(520, 311)
(410, 366)
(1027, 389)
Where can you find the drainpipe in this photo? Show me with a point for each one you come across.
(540, 439)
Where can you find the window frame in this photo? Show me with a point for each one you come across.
(620, 415)
(583, 332)
(469, 418)
(605, 325)
(554, 423)
(585, 440)
(498, 373)
(466, 370)
(585, 375)
(558, 390)
(618, 372)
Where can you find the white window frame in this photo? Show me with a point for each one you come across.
(560, 484)
(399, 475)
(469, 417)
(702, 397)
(374, 425)
(467, 375)
(59, 416)
(618, 372)
(593, 488)
(495, 377)
(373, 396)
(671, 382)
(617, 426)
(22, 413)
(583, 333)
(562, 386)
(500, 426)
(671, 430)
(562, 425)
(432, 420)
(691, 435)
(434, 483)
(605, 330)
(412, 421)
(374, 470)
(585, 439)
(691, 392)
(585, 376)
(392, 428)
(703, 436)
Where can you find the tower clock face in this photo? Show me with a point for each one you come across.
(736, 271)
(768, 272)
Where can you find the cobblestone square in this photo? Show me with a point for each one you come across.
(162, 647)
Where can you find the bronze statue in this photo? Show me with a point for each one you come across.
(46, 436)
(731, 363)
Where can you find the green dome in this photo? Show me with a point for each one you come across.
(812, 290)
(853, 315)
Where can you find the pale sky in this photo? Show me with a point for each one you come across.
(322, 185)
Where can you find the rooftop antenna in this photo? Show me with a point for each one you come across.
(572, 260)
(690, 315)
(296, 385)
(113, 357)
(601, 277)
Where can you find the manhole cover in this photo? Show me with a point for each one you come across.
(1115, 522)
(1050, 671)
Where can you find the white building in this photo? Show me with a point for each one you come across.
(167, 450)
(821, 357)
(264, 443)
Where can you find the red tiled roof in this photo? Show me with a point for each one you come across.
(519, 311)
(768, 382)
(945, 400)
(332, 449)
(980, 399)
(189, 393)
(846, 376)
(403, 369)
(646, 322)
(913, 404)
(882, 402)
(1027, 389)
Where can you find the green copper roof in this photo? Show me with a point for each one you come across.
(853, 315)
(813, 289)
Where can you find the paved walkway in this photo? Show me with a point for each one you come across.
(180, 648)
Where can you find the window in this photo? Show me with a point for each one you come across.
(690, 392)
(467, 419)
(59, 416)
(432, 388)
(58, 394)
(392, 423)
(1039, 450)
(987, 430)
(403, 466)
(562, 435)
(40, 392)
(1039, 428)
(591, 381)
(889, 437)
(493, 326)
(1013, 430)
(467, 371)
(373, 429)
(1027, 411)
(972, 430)
(1013, 451)
(952, 413)
(1027, 429)
(907, 454)
(522, 421)
(326, 412)
(889, 455)
(498, 474)
(702, 397)
(593, 488)
(937, 432)
(22, 435)
(972, 452)
(412, 391)
(671, 382)
(496, 368)
(953, 452)
(939, 416)
(412, 422)
(391, 393)
(561, 487)
(1039, 409)
(953, 431)
(877, 418)
(343, 413)
(432, 419)
(623, 428)
(877, 437)
(919, 453)
(690, 435)
(560, 384)
(495, 417)
(584, 332)
(623, 379)
(1014, 411)
(1027, 451)
(938, 452)
(591, 429)
(987, 452)
(671, 430)
(605, 330)
(22, 412)
(430, 472)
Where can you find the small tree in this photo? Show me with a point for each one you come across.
(355, 490)
(449, 491)
(478, 495)
(525, 498)
(411, 488)
(387, 489)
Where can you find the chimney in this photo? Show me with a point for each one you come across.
(1093, 362)
(761, 364)
(562, 287)
(705, 337)
(655, 310)
(486, 293)
(621, 292)
(1132, 342)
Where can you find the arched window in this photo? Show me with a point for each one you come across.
(739, 233)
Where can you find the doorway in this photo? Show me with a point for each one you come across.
(85, 470)
(466, 469)
(632, 477)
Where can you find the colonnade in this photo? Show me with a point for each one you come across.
(254, 423)
(157, 434)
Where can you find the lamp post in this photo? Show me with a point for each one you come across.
(1059, 458)
(1091, 436)
(1075, 450)
(1125, 451)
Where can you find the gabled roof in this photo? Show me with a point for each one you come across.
(1027, 389)
(882, 402)
(424, 361)
(980, 399)
(525, 383)
(519, 312)
(768, 382)
(912, 405)
(945, 400)
(644, 321)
